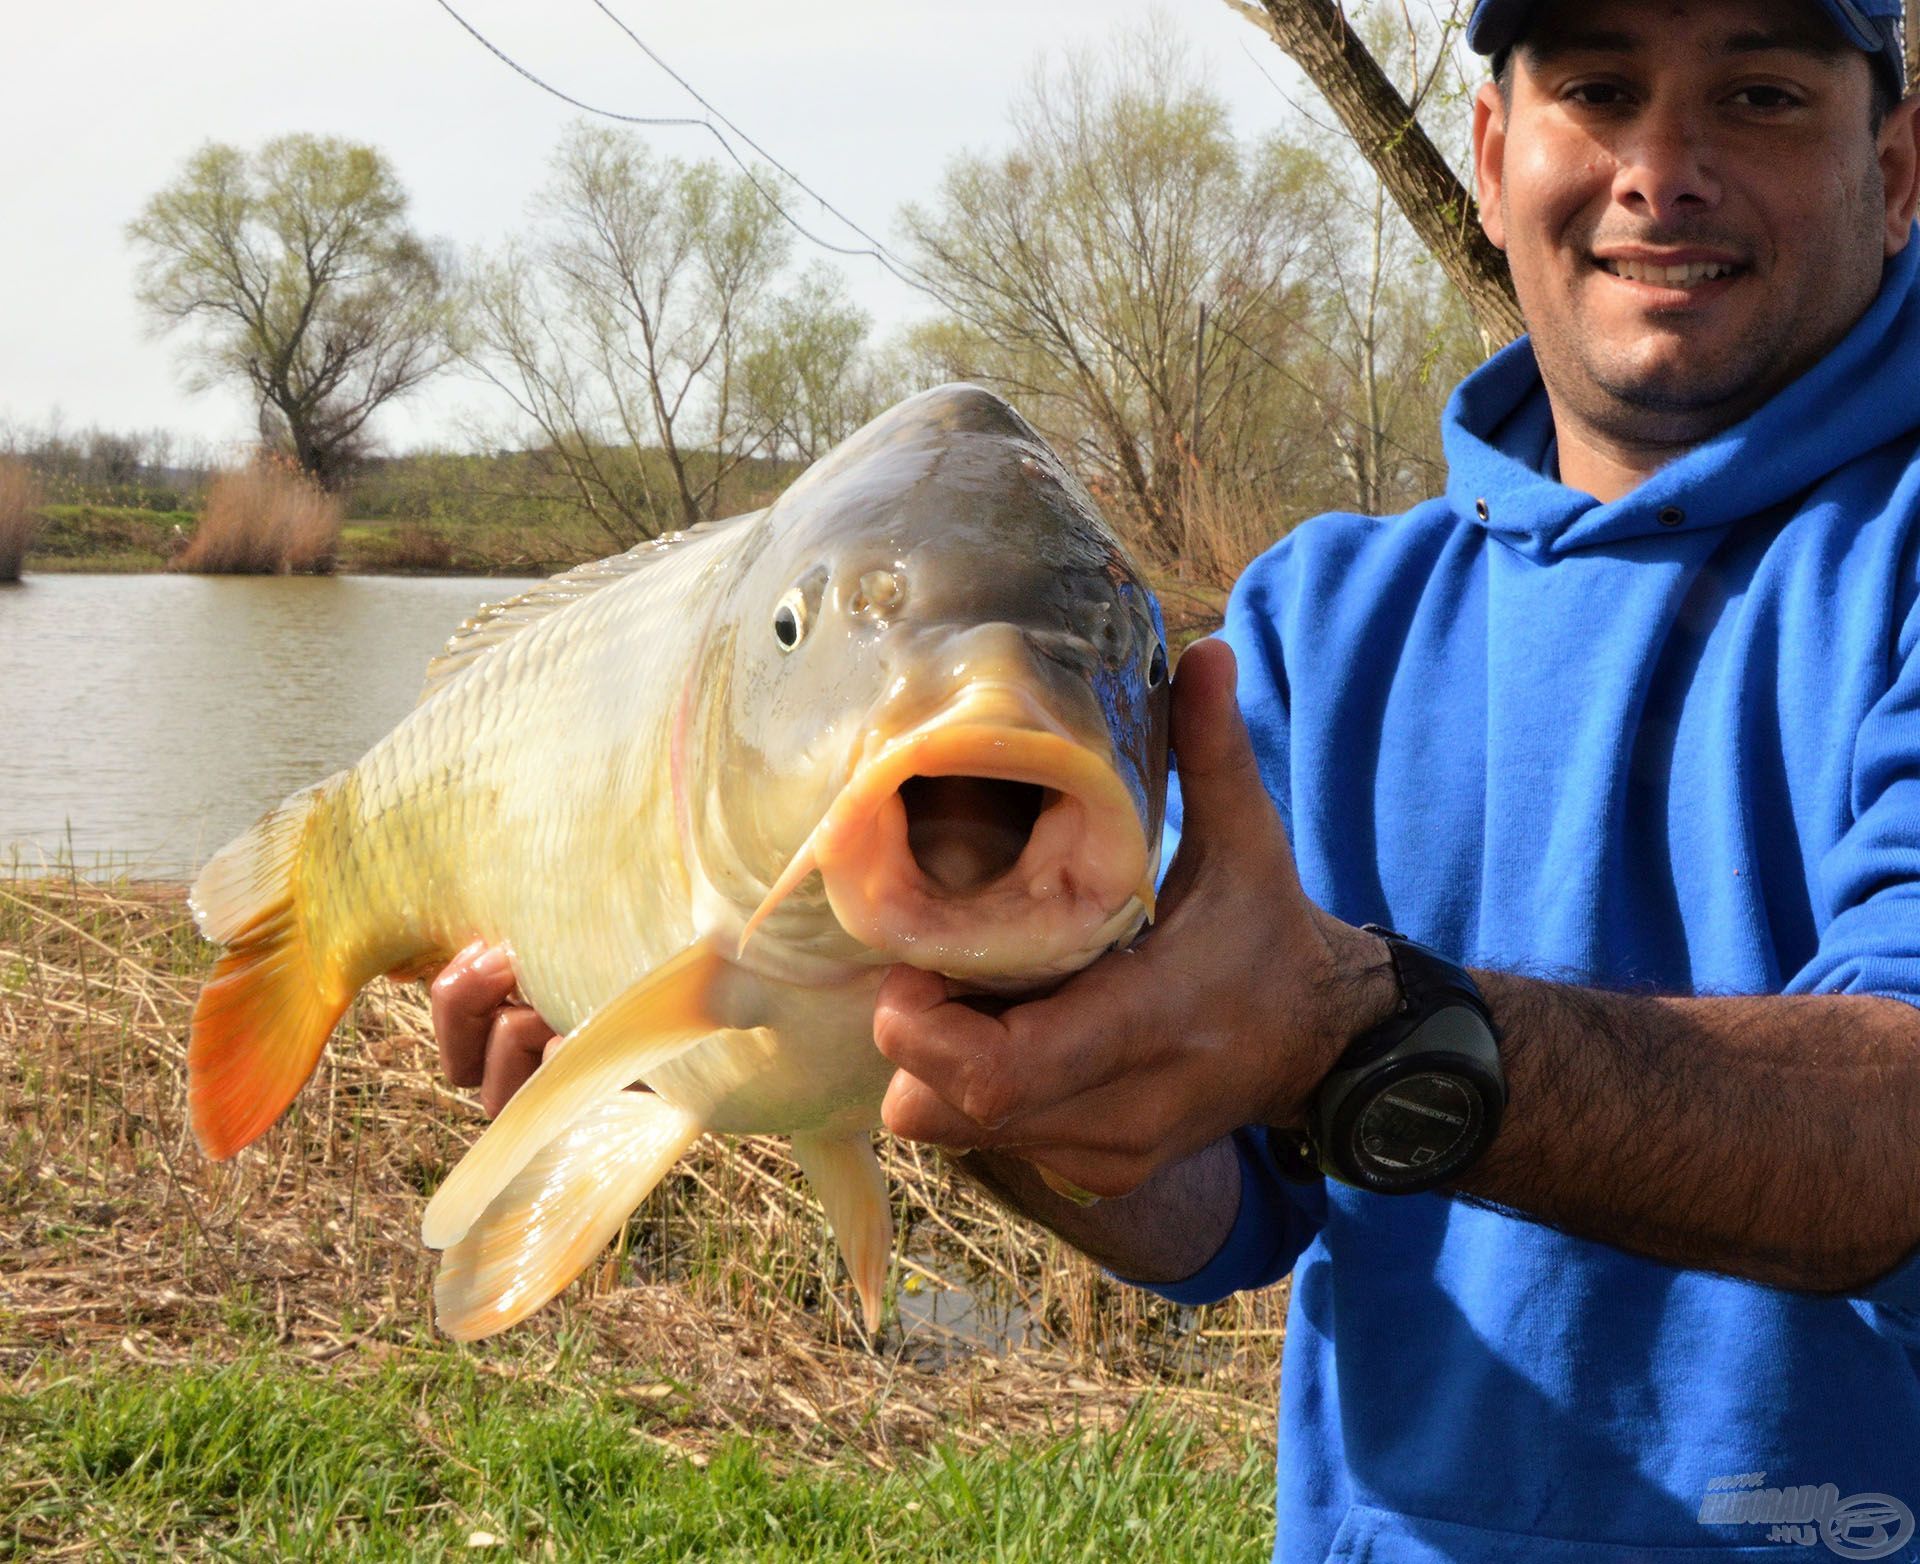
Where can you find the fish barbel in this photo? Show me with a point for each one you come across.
(706, 792)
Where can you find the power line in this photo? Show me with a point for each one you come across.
(879, 250)
(875, 249)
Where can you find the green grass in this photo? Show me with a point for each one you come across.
(114, 538)
(258, 1458)
(124, 539)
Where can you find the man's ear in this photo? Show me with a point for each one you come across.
(1900, 169)
(1489, 156)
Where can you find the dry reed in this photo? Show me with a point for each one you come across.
(117, 1235)
(1194, 558)
(19, 515)
(268, 518)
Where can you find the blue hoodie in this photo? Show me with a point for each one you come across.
(1671, 742)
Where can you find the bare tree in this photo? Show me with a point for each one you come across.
(806, 377)
(1074, 266)
(298, 268)
(1392, 333)
(620, 328)
(1323, 42)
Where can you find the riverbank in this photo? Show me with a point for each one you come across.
(199, 1356)
(123, 540)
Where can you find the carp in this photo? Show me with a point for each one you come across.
(706, 792)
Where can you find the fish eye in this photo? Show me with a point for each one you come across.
(790, 620)
(1157, 667)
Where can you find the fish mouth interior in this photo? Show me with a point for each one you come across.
(966, 832)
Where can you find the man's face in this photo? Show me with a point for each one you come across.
(1728, 138)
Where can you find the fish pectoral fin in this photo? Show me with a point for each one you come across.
(847, 1180)
(558, 1212)
(664, 1014)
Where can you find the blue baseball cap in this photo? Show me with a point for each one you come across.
(1873, 25)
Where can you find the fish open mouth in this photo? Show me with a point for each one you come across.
(966, 832)
(986, 841)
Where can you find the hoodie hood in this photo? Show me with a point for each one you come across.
(1499, 438)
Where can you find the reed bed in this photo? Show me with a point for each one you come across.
(267, 518)
(723, 1305)
(20, 498)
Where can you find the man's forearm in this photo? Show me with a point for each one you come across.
(1164, 1231)
(1767, 1137)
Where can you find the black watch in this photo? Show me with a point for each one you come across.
(1414, 1101)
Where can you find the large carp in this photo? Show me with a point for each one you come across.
(706, 792)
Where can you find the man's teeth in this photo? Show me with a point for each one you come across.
(1688, 276)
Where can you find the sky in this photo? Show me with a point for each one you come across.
(866, 100)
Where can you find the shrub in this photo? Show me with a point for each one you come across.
(19, 516)
(268, 518)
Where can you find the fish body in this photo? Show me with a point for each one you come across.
(706, 793)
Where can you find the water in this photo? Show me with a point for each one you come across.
(148, 719)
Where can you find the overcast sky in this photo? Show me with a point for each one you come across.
(865, 99)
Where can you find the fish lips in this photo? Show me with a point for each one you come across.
(1081, 881)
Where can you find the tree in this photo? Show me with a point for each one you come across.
(622, 329)
(806, 378)
(1386, 129)
(299, 271)
(1075, 265)
(1393, 333)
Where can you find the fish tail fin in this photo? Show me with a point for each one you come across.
(558, 1212)
(266, 1012)
(846, 1178)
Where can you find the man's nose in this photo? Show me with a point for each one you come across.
(1664, 163)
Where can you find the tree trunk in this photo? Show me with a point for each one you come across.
(1321, 42)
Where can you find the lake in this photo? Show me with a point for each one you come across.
(147, 719)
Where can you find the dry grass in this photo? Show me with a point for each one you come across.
(118, 1236)
(19, 515)
(265, 519)
(1224, 524)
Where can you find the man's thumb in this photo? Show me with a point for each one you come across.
(1211, 746)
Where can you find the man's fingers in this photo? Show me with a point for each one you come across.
(463, 999)
(516, 1043)
(973, 1079)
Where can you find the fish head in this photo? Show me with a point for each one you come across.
(946, 694)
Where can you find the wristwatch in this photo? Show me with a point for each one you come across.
(1415, 1100)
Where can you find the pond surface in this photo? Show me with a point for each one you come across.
(147, 719)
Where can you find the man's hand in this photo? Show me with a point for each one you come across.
(487, 1038)
(1229, 1012)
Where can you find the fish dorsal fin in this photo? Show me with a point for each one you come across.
(497, 622)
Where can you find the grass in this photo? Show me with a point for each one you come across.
(423, 1455)
(268, 518)
(110, 538)
(200, 1353)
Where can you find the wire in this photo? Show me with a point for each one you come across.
(903, 270)
(875, 249)
(879, 250)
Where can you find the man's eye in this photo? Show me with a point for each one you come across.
(1595, 94)
(1764, 97)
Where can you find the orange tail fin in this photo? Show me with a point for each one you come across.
(266, 1012)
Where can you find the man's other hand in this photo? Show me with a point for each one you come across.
(487, 1036)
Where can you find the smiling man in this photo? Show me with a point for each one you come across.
(1602, 1199)
(1627, 723)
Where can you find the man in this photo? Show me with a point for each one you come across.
(1635, 707)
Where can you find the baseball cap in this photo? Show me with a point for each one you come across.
(1873, 25)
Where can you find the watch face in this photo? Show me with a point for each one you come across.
(1417, 1130)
